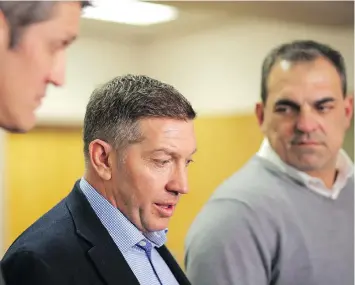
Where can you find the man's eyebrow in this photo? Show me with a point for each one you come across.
(163, 149)
(324, 100)
(294, 105)
(169, 151)
(287, 102)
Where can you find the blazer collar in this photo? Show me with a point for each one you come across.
(108, 260)
(173, 265)
(104, 253)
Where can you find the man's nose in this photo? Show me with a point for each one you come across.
(57, 73)
(178, 182)
(306, 121)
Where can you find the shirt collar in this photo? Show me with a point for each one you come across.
(344, 166)
(122, 231)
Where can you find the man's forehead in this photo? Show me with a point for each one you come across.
(297, 88)
(162, 130)
(300, 99)
(164, 124)
(67, 15)
(316, 70)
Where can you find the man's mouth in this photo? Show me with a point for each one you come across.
(307, 143)
(166, 210)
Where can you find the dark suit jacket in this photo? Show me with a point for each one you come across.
(69, 245)
(2, 282)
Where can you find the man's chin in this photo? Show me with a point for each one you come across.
(20, 126)
(157, 226)
(308, 166)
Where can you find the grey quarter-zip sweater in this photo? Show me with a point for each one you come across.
(262, 227)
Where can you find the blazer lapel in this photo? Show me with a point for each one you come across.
(112, 266)
(173, 265)
(104, 253)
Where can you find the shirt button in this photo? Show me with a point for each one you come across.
(142, 243)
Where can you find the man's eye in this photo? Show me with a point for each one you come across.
(188, 162)
(59, 45)
(161, 162)
(284, 109)
(324, 108)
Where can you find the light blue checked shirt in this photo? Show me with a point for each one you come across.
(139, 250)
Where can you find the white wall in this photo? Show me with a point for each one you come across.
(219, 70)
(91, 62)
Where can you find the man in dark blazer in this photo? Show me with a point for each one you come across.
(28, 32)
(138, 141)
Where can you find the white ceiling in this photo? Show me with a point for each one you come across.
(313, 12)
(207, 14)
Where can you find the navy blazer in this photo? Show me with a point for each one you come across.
(2, 282)
(69, 245)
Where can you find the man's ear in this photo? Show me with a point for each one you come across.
(259, 112)
(349, 108)
(4, 32)
(100, 157)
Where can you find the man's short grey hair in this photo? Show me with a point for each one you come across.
(115, 109)
(21, 14)
(302, 51)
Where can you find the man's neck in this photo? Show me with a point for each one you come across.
(99, 185)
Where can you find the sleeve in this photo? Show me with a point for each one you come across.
(25, 268)
(229, 244)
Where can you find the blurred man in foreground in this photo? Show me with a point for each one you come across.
(111, 229)
(287, 217)
(33, 39)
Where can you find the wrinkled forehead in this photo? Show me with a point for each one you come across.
(304, 81)
(168, 133)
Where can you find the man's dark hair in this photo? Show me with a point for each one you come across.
(301, 51)
(115, 109)
(20, 14)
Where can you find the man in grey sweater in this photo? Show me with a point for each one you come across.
(286, 217)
